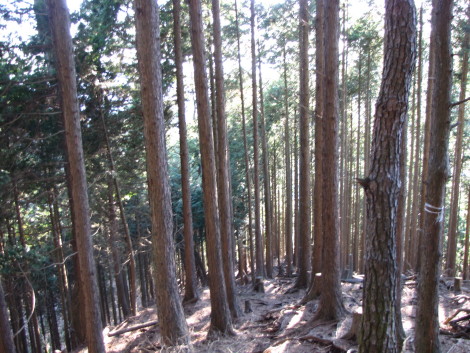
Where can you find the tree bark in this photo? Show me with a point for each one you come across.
(304, 185)
(454, 208)
(60, 25)
(331, 306)
(223, 176)
(7, 344)
(190, 289)
(427, 321)
(173, 326)
(220, 315)
(379, 329)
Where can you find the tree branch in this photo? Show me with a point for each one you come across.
(459, 102)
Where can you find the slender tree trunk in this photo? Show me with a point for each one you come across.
(257, 205)
(288, 195)
(304, 185)
(220, 315)
(379, 327)
(173, 326)
(245, 144)
(268, 213)
(190, 289)
(427, 321)
(331, 306)
(223, 176)
(467, 236)
(454, 208)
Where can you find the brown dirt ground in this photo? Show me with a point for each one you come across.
(278, 324)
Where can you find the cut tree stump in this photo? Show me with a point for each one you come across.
(259, 285)
(132, 328)
(352, 334)
(457, 284)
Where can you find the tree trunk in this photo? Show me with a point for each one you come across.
(245, 144)
(427, 321)
(467, 236)
(288, 194)
(173, 326)
(190, 289)
(379, 328)
(331, 306)
(60, 25)
(304, 185)
(223, 176)
(454, 208)
(220, 315)
(7, 344)
(257, 205)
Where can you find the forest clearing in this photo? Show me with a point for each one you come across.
(207, 176)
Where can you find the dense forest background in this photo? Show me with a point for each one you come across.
(261, 90)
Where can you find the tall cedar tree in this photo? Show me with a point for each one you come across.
(223, 174)
(190, 289)
(221, 321)
(379, 327)
(257, 205)
(66, 75)
(170, 311)
(427, 319)
(331, 306)
(304, 187)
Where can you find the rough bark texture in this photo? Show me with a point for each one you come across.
(220, 314)
(467, 240)
(379, 329)
(427, 320)
(223, 175)
(331, 306)
(190, 288)
(304, 180)
(170, 311)
(60, 25)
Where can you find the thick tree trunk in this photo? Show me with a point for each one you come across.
(173, 326)
(331, 306)
(60, 24)
(379, 328)
(220, 315)
(427, 320)
(190, 289)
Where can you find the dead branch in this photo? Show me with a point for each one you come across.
(132, 328)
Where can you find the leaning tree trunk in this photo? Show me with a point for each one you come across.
(379, 327)
(170, 311)
(427, 317)
(221, 321)
(60, 27)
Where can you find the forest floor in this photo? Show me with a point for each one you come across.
(278, 323)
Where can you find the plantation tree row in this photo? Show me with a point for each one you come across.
(167, 147)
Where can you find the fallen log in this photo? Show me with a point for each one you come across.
(132, 328)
